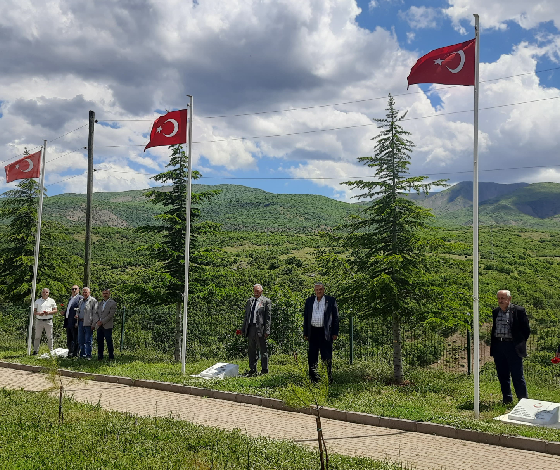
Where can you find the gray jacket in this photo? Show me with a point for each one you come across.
(262, 316)
(89, 309)
(105, 315)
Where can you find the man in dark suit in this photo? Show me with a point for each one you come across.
(103, 321)
(320, 329)
(71, 322)
(508, 346)
(256, 327)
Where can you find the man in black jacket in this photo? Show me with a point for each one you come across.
(510, 331)
(320, 329)
(71, 322)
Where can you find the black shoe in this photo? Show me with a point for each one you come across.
(264, 371)
(34, 353)
(250, 373)
(99, 358)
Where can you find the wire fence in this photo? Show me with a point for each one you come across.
(143, 331)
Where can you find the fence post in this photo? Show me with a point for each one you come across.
(351, 337)
(468, 351)
(122, 326)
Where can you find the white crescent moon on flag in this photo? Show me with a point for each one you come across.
(175, 128)
(30, 165)
(458, 69)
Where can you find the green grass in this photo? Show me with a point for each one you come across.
(92, 438)
(432, 395)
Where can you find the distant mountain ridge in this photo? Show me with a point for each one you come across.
(238, 207)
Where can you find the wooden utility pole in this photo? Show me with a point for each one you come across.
(87, 257)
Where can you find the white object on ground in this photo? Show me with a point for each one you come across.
(220, 370)
(533, 413)
(60, 352)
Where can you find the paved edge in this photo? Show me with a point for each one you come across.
(515, 442)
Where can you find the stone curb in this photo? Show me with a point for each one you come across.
(405, 425)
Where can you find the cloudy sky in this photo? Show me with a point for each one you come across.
(312, 73)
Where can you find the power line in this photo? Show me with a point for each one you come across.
(335, 104)
(65, 179)
(312, 131)
(17, 157)
(67, 153)
(334, 178)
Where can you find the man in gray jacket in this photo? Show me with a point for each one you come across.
(103, 321)
(86, 309)
(256, 327)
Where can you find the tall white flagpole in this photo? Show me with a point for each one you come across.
(187, 239)
(37, 244)
(476, 334)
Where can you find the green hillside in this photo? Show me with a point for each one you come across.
(238, 207)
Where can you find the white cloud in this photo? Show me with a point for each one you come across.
(497, 13)
(420, 17)
(243, 56)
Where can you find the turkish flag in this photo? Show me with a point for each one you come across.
(170, 129)
(450, 65)
(27, 167)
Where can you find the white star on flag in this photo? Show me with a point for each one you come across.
(17, 166)
(159, 129)
(438, 61)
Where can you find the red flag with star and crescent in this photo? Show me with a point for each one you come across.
(450, 65)
(26, 167)
(170, 129)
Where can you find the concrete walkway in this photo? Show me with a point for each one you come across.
(416, 450)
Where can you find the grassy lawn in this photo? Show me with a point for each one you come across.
(431, 395)
(92, 438)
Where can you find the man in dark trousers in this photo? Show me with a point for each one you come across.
(71, 322)
(256, 327)
(320, 329)
(103, 321)
(508, 346)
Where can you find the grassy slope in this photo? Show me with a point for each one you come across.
(431, 395)
(90, 437)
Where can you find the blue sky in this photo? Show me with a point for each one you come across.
(332, 62)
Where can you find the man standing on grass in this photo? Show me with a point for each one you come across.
(320, 329)
(256, 327)
(43, 311)
(508, 346)
(87, 307)
(71, 322)
(103, 321)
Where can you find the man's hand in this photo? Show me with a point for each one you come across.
(334, 337)
(306, 338)
(99, 323)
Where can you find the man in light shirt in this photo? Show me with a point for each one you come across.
(44, 309)
(320, 329)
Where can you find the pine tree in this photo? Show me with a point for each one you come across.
(19, 207)
(170, 252)
(390, 254)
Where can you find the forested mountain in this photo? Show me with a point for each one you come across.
(238, 207)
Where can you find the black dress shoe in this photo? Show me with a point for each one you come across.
(250, 373)
(264, 371)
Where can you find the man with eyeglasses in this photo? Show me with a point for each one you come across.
(43, 311)
(71, 322)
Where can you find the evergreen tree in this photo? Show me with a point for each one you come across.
(19, 207)
(170, 251)
(390, 253)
